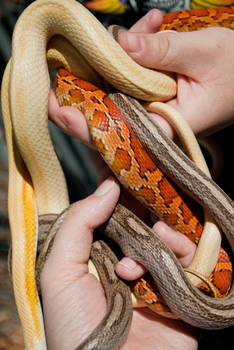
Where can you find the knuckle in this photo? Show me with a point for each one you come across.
(166, 44)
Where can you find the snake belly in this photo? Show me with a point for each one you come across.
(128, 159)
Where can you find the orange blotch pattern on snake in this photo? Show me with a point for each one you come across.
(128, 159)
(184, 21)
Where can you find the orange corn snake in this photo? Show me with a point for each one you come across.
(41, 196)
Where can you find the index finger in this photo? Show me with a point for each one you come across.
(70, 120)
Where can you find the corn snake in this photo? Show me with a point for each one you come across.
(48, 198)
(123, 152)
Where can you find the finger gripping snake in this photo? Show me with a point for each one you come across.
(36, 176)
(123, 152)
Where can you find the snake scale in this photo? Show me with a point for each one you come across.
(35, 174)
(123, 152)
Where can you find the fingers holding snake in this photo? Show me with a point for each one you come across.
(111, 123)
(198, 84)
(181, 246)
(193, 57)
(70, 120)
(73, 122)
(65, 278)
(43, 183)
(66, 281)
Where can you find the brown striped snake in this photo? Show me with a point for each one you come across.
(37, 186)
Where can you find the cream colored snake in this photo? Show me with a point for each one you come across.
(36, 180)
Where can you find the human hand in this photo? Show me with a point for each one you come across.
(73, 299)
(72, 121)
(196, 83)
(203, 61)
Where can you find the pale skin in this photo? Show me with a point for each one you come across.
(73, 299)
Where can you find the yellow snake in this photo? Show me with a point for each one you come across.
(28, 139)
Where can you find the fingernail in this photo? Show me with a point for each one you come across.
(132, 42)
(128, 263)
(149, 16)
(152, 15)
(162, 228)
(105, 186)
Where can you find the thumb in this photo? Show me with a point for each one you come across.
(171, 51)
(72, 243)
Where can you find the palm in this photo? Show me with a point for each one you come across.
(148, 331)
